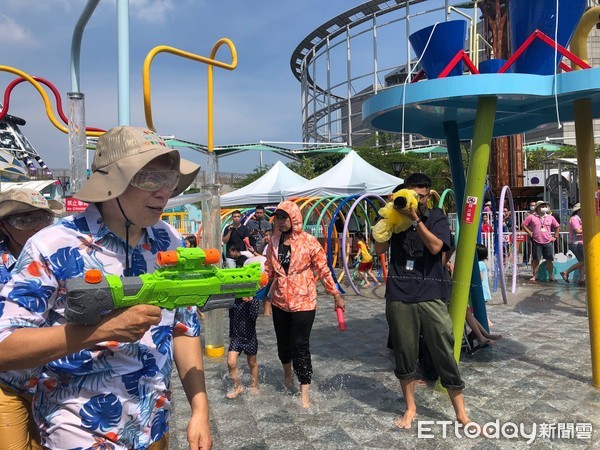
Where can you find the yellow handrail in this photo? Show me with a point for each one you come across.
(580, 36)
(209, 61)
(46, 99)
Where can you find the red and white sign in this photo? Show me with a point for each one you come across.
(74, 205)
(469, 209)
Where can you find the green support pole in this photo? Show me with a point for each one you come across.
(469, 219)
(458, 181)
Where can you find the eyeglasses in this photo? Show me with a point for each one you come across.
(153, 180)
(31, 222)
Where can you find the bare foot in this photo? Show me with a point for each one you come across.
(405, 422)
(495, 337)
(237, 390)
(463, 420)
(305, 400)
(473, 428)
(253, 390)
(484, 342)
(288, 382)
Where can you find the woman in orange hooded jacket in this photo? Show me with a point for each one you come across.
(293, 257)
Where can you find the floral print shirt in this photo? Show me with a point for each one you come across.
(18, 380)
(6, 261)
(114, 395)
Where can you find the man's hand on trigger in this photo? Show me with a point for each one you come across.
(130, 324)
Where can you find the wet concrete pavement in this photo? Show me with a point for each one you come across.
(538, 377)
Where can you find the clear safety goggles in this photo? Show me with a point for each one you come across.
(31, 222)
(153, 180)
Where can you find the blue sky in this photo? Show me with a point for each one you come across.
(258, 100)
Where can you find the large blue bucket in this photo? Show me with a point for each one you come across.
(491, 65)
(528, 15)
(448, 38)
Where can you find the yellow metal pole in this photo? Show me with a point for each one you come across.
(211, 207)
(588, 192)
(147, 85)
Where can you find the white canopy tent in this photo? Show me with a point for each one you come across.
(268, 189)
(352, 175)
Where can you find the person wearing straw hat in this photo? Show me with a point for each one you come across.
(107, 385)
(23, 212)
(576, 245)
(543, 229)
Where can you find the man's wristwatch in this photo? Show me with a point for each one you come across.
(416, 222)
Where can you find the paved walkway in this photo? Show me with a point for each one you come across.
(539, 375)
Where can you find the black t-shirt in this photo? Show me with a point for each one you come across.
(236, 238)
(284, 255)
(426, 280)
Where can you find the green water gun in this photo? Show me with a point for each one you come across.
(185, 277)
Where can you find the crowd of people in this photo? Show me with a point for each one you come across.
(542, 227)
(68, 385)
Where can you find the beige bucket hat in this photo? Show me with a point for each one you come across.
(120, 153)
(576, 207)
(22, 200)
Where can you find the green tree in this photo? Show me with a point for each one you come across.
(252, 176)
(566, 151)
(304, 167)
(325, 161)
(535, 159)
(438, 168)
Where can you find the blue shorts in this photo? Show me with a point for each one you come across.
(577, 250)
(543, 251)
(248, 347)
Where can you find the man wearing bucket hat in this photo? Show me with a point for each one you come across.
(23, 212)
(107, 385)
(543, 229)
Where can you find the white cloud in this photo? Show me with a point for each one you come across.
(44, 5)
(152, 11)
(13, 33)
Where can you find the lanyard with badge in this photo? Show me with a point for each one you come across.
(411, 250)
(543, 224)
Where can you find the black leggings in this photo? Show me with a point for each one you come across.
(293, 333)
